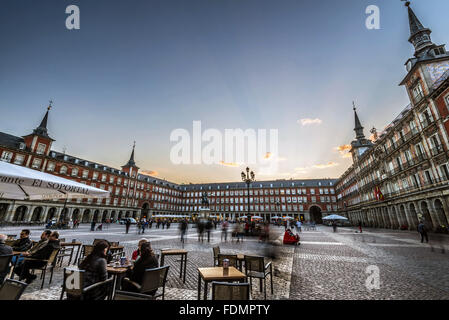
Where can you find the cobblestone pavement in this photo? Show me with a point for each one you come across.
(336, 268)
(326, 265)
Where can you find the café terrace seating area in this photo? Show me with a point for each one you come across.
(214, 273)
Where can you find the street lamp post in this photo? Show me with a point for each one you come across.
(248, 178)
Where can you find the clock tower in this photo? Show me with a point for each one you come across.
(360, 144)
(429, 61)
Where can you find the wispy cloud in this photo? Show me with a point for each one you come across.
(344, 150)
(308, 121)
(229, 164)
(149, 173)
(325, 166)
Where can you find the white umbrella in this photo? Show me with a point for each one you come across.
(275, 217)
(256, 217)
(334, 217)
(22, 183)
(287, 218)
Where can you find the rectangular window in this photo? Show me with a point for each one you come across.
(85, 174)
(41, 148)
(51, 166)
(19, 159)
(36, 163)
(6, 156)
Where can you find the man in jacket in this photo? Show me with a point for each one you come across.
(37, 258)
(42, 242)
(4, 250)
(423, 232)
(24, 243)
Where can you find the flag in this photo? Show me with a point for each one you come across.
(378, 194)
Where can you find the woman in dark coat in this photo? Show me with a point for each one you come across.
(95, 270)
(147, 260)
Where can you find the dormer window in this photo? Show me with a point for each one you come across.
(22, 146)
(439, 51)
(417, 92)
(41, 148)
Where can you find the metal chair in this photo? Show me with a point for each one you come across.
(73, 285)
(230, 291)
(255, 268)
(50, 263)
(126, 295)
(85, 251)
(5, 261)
(153, 279)
(12, 289)
(216, 251)
(233, 262)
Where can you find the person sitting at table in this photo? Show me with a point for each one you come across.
(44, 253)
(42, 243)
(136, 253)
(94, 266)
(147, 260)
(4, 250)
(24, 243)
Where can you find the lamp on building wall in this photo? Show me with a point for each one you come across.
(248, 178)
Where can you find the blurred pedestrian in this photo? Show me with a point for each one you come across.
(423, 232)
(208, 229)
(92, 226)
(127, 225)
(360, 226)
(334, 226)
(298, 226)
(183, 228)
(224, 230)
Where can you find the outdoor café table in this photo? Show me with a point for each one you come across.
(72, 244)
(216, 274)
(176, 252)
(117, 273)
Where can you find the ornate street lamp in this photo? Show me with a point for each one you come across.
(248, 178)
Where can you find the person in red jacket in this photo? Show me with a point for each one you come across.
(136, 253)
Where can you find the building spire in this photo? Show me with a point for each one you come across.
(131, 162)
(358, 126)
(42, 129)
(419, 35)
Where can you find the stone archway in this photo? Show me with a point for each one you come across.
(37, 214)
(105, 216)
(440, 212)
(315, 214)
(3, 211)
(120, 215)
(414, 214)
(51, 213)
(128, 214)
(75, 215)
(426, 215)
(96, 216)
(20, 213)
(145, 210)
(86, 216)
(404, 216)
(113, 215)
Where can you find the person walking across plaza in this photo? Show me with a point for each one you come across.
(92, 225)
(334, 226)
(139, 226)
(127, 225)
(183, 228)
(360, 226)
(298, 226)
(208, 229)
(224, 230)
(423, 232)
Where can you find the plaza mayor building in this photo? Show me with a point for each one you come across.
(136, 195)
(401, 175)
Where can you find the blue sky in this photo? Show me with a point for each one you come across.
(136, 70)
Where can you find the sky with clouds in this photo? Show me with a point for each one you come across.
(137, 70)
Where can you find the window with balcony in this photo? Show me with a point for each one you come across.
(51, 166)
(75, 172)
(36, 163)
(63, 170)
(95, 176)
(417, 93)
(18, 159)
(41, 148)
(6, 156)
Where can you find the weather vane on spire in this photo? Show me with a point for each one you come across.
(407, 2)
(50, 105)
(353, 105)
